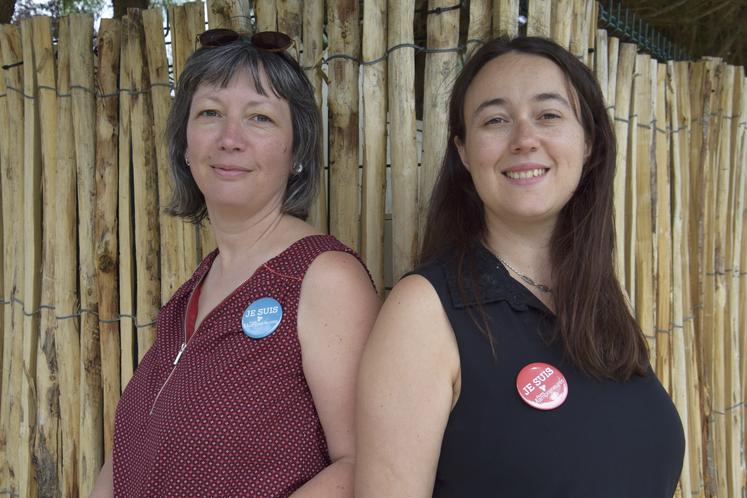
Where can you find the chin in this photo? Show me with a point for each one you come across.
(534, 215)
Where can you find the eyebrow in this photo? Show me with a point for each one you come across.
(540, 97)
(489, 103)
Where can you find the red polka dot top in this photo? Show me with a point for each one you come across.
(225, 415)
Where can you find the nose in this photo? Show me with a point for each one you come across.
(232, 135)
(523, 137)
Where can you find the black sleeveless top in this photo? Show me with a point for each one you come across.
(607, 440)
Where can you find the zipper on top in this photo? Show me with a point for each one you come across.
(183, 347)
(186, 342)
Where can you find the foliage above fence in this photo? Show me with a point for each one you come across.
(89, 256)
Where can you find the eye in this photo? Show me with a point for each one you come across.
(549, 115)
(261, 118)
(208, 113)
(496, 120)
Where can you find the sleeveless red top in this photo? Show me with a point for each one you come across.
(234, 416)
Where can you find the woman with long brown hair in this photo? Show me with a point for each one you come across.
(508, 363)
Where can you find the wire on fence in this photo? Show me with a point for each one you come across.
(119, 317)
(77, 313)
(651, 125)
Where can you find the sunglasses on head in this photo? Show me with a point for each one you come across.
(267, 41)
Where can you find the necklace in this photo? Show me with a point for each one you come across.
(525, 278)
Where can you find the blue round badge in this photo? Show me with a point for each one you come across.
(261, 318)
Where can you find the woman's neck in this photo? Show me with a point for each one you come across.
(238, 238)
(526, 248)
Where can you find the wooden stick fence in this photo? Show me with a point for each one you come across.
(89, 256)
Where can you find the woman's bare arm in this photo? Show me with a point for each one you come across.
(406, 391)
(104, 485)
(337, 309)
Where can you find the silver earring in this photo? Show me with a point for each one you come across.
(187, 161)
(297, 168)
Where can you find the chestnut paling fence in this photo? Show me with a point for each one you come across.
(88, 256)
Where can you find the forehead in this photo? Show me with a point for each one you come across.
(515, 76)
(250, 78)
(253, 82)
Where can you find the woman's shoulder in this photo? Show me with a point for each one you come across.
(413, 335)
(316, 250)
(414, 307)
(307, 249)
(301, 237)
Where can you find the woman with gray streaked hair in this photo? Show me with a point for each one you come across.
(249, 387)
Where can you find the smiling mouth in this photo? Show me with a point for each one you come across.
(523, 175)
(229, 169)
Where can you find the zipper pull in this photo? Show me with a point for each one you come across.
(179, 355)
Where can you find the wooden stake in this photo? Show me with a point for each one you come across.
(722, 252)
(344, 201)
(712, 313)
(266, 15)
(374, 140)
(679, 387)
(741, 157)
(561, 23)
(124, 210)
(402, 135)
(6, 243)
(693, 377)
(191, 23)
(32, 263)
(698, 102)
(145, 188)
(5, 288)
(613, 54)
(590, 28)
(622, 112)
(47, 441)
(13, 190)
(160, 94)
(105, 228)
(505, 17)
(84, 118)
(662, 229)
(480, 23)
(440, 71)
(181, 47)
(66, 300)
(738, 187)
(538, 17)
(206, 241)
(581, 25)
(290, 20)
(639, 192)
(602, 66)
(311, 56)
(231, 14)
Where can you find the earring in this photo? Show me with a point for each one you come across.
(187, 161)
(297, 168)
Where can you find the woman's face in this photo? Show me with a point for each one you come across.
(240, 146)
(524, 146)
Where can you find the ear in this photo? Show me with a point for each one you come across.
(587, 150)
(461, 151)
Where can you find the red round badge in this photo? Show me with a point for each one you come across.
(542, 386)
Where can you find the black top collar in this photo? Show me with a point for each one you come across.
(485, 280)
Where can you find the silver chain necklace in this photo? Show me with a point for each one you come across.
(525, 278)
